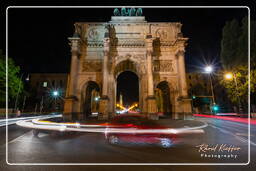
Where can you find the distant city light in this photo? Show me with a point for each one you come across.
(208, 69)
(45, 84)
(96, 98)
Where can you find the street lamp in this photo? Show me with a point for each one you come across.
(208, 70)
(55, 93)
(17, 95)
(230, 76)
(96, 99)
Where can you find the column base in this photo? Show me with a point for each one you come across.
(152, 108)
(69, 108)
(185, 111)
(103, 108)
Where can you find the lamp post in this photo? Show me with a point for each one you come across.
(17, 96)
(55, 94)
(208, 70)
(230, 76)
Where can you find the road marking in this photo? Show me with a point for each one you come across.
(236, 136)
(244, 134)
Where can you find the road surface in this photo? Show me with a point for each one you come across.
(81, 148)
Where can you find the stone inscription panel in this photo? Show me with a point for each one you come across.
(163, 66)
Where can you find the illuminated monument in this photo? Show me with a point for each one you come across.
(154, 51)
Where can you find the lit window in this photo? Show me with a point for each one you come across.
(45, 84)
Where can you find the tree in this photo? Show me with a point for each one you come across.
(15, 84)
(234, 58)
(229, 43)
(240, 77)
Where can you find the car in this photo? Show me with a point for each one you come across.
(137, 129)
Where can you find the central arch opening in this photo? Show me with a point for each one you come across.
(127, 89)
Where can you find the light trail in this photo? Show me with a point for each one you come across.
(11, 121)
(37, 124)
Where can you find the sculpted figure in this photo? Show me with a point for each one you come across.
(132, 12)
(139, 12)
(123, 11)
(116, 12)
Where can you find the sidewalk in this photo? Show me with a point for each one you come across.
(229, 118)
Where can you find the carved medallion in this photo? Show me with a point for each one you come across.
(93, 34)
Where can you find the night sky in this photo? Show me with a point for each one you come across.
(38, 37)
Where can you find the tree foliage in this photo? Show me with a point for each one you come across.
(13, 80)
(237, 87)
(230, 48)
(234, 58)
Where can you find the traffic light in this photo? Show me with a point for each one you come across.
(193, 97)
(215, 108)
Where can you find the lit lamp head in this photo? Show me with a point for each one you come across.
(55, 93)
(228, 76)
(208, 69)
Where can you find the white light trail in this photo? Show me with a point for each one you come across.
(36, 124)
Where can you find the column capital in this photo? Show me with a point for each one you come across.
(75, 45)
(180, 53)
(106, 42)
(149, 43)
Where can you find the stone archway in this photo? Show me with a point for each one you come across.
(163, 99)
(130, 94)
(127, 66)
(153, 51)
(90, 97)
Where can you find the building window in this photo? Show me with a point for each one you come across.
(44, 84)
(189, 77)
(53, 83)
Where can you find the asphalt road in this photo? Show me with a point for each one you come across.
(23, 147)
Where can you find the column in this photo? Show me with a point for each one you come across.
(74, 65)
(105, 67)
(184, 101)
(151, 101)
(103, 109)
(182, 73)
(70, 101)
(149, 65)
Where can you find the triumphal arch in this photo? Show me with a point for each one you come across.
(154, 51)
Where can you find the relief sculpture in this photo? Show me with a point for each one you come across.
(163, 66)
(92, 66)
